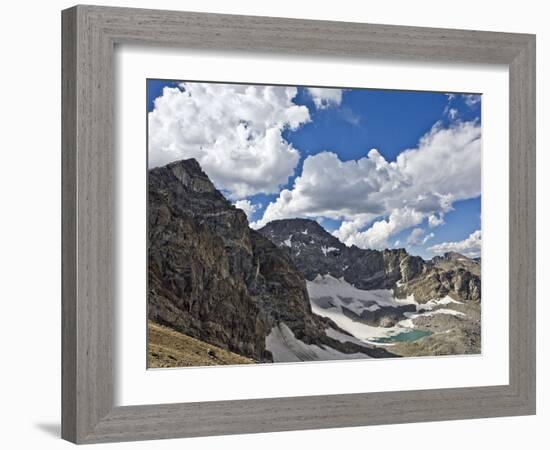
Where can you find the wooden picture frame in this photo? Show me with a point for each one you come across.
(90, 34)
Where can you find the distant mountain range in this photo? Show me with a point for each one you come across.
(291, 291)
(317, 252)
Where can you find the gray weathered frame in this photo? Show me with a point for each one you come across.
(89, 36)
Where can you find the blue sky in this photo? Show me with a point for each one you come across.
(334, 128)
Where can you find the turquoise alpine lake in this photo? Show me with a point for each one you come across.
(407, 336)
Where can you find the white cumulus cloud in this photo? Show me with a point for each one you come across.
(234, 131)
(378, 234)
(435, 220)
(427, 238)
(421, 184)
(247, 206)
(452, 113)
(416, 236)
(470, 247)
(325, 97)
(471, 99)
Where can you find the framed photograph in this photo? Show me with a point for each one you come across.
(277, 224)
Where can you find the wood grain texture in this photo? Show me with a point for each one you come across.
(68, 226)
(522, 191)
(89, 36)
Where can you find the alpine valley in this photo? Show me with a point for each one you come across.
(220, 292)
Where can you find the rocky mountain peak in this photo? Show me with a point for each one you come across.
(316, 252)
(289, 227)
(455, 256)
(455, 261)
(299, 233)
(189, 173)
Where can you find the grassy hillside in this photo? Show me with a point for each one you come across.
(169, 348)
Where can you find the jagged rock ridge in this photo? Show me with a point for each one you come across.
(317, 252)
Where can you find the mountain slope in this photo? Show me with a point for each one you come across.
(214, 279)
(197, 274)
(386, 297)
(317, 252)
(169, 348)
(453, 260)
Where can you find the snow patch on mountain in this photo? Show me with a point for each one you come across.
(428, 306)
(330, 296)
(409, 321)
(285, 347)
(327, 285)
(327, 250)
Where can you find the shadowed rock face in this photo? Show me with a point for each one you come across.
(317, 252)
(213, 278)
(200, 257)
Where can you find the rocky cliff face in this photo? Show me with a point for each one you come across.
(213, 278)
(454, 260)
(200, 257)
(317, 252)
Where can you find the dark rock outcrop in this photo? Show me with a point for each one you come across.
(200, 258)
(385, 316)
